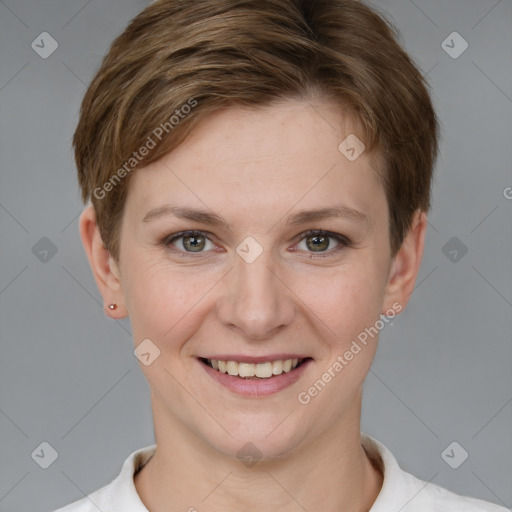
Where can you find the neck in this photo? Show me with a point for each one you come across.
(331, 473)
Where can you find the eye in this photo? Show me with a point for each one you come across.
(314, 241)
(189, 242)
(319, 241)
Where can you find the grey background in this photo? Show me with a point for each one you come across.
(68, 375)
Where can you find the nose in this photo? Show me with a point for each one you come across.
(255, 299)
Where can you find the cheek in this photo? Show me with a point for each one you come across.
(346, 299)
(346, 302)
(161, 300)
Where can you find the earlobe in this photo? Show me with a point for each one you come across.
(406, 264)
(103, 265)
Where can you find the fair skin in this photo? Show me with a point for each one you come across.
(256, 168)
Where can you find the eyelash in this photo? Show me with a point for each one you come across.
(343, 242)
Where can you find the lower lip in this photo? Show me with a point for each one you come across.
(257, 387)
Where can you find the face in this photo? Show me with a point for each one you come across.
(257, 240)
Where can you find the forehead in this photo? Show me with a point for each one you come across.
(268, 157)
(270, 131)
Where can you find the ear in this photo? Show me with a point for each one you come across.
(405, 265)
(103, 265)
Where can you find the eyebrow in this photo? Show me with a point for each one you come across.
(301, 217)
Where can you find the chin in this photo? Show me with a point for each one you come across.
(262, 437)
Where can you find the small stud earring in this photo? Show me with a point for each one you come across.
(112, 306)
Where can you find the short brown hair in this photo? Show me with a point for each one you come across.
(211, 54)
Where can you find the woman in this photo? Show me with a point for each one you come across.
(259, 174)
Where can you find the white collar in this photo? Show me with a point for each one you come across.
(400, 490)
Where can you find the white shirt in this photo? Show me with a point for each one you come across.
(400, 490)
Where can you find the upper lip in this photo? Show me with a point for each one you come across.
(255, 359)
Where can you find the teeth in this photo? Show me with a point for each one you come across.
(263, 370)
(277, 367)
(246, 370)
(232, 367)
(249, 370)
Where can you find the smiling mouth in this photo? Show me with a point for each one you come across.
(254, 371)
